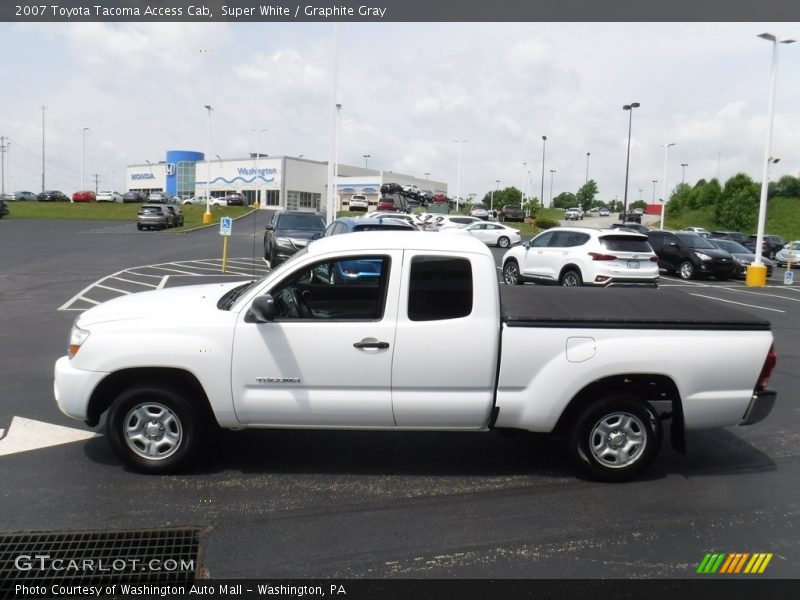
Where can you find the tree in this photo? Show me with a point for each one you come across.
(788, 187)
(565, 200)
(586, 194)
(738, 206)
(509, 195)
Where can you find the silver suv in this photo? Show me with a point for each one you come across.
(575, 256)
(154, 216)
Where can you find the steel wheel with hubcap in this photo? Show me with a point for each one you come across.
(153, 429)
(616, 438)
(511, 273)
(686, 270)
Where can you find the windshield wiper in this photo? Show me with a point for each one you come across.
(231, 296)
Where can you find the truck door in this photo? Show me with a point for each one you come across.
(445, 352)
(326, 358)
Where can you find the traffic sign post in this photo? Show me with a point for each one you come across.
(225, 228)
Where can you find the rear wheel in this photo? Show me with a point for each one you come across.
(616, 438)
(686, 270)
(503, 242)
(571, 278)
(511, 273)
(154, 429)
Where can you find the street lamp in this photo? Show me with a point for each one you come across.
(207, 218)
(552, 171)
(427, 175)
(544, 145)
(497, 185)
(458, 174)
(655, 181)
(664, 183)
(587, 167)
(683, 171)
(366, 158)
(256, 184)
(83, 158)
(522, 198)
(757, 273)
(629, 108)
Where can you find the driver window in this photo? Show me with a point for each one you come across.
(349, 289)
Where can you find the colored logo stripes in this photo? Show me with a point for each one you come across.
(734, 563)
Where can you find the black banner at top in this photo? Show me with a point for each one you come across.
(399, 10)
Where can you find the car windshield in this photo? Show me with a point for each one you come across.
(732, 247)
(695, 241)
(301, 222)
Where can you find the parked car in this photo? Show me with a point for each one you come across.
(52, 196)
(577, 256)
(701, 230)
(391, 188)
(359, 202)
(491, 234)
(154, 216)
(411, 189)
(196, 200)
(134, 197)
(575, 213)
(290, 231)
(412, 220)
(177, 214)
(603, 212)
(742, 257)
(480, 211)
(690, 254)
(783, 255)
(441, 199)
(512, 212)
(631, 226)
(3, 208)
(84, 196)
(158, 197)
(455, 222)
(108, 196)
(352, 225)
(25, 196)
(235, 199)
(770, 245)
(736, 236)
(392, 202)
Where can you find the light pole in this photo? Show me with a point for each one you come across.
(664, 183)
(427, 175)
(497, 185)
(44, 108)
(83, 158)
(629, 108)
(757, 273)
(587, 167)
(366, 158)
(655, 181)
(683, 172)
(552, 172)
(336, 196)
(207, 218)
(458, 173)
(522, 198)
(256, 184)
(544, 146)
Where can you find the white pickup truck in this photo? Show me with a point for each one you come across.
(339, 337)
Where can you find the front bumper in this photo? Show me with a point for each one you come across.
(760, 406)
(73, 388)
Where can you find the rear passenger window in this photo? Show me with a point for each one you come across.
(440, 288)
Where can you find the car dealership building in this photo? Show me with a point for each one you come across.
(283, 182)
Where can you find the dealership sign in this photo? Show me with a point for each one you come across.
(137, 176)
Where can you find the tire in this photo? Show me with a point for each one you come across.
(139, 227)
(616, 438)
(571, 278)
(771, 255)
(503, 242)
(154, 429)
(511, 274)
(273, 261)
(686, 270)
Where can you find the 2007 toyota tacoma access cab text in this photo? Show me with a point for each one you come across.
(334, 339)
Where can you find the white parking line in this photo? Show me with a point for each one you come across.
(134, 282)
(739, 303)
(160, 268)
(163, 282)
(106, 287)
(740, 291)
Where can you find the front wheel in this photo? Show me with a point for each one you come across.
(571, 279)
(616, 438)
(511, 273)
(686, 270)
(153, 429)
(503, 242)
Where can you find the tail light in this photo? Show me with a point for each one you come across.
(598, 256)
(654, 258)
(766, 370)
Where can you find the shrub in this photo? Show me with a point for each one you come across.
(545, 223)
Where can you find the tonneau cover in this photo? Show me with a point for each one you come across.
(624, 308)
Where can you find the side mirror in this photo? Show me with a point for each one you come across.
(269, 226)
(527, 244)
(318, 235)
(262, 310)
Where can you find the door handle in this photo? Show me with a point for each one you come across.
(371, 343)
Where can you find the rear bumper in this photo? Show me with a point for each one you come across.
(760, 406)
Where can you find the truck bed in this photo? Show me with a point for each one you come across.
(619, 308)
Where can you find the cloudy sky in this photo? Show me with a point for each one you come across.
(408, 90)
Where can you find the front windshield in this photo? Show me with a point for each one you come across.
(230, 297)
(695, 241)
(732, 247)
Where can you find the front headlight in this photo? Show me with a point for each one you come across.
(742, 261)
(283, 241)
(77, 337)
(702, 256)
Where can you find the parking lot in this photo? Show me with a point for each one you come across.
(325, 504)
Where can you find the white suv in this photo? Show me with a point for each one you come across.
(358, 201)
(573, 214)
(574, 256)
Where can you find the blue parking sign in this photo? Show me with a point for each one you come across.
(225, 226)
